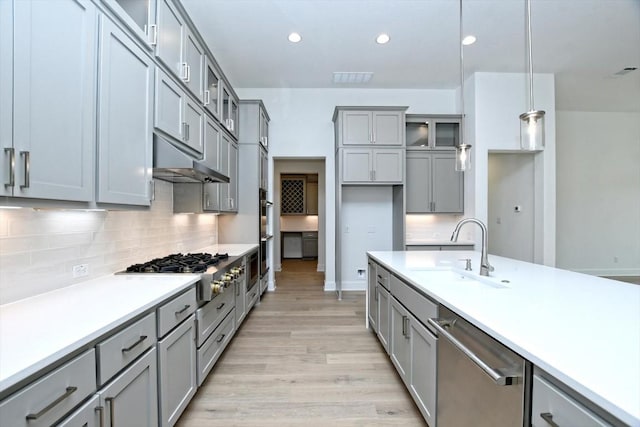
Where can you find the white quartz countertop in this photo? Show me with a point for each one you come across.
(583, 330)
(36, 332)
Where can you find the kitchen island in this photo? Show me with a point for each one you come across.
(582, 330)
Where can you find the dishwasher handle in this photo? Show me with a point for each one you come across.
(498, 377)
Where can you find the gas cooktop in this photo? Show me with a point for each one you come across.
(182, 263)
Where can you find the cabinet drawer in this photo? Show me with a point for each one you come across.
(382, 277)
(209, 353)
(553, 404)
(210, 315)
(87, 416)
(419, 305)
(175, 311)
(124, 347)
(50, 398)
(252, 296)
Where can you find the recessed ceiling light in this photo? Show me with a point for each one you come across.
(295, 37)
(383, 38)
(469, 40)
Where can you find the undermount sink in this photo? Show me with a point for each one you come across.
(458, 277)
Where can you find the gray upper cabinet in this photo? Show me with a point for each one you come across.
(433, 185)
(212, 88)
(212, 144)
(366, 127)
(229, 107)
(264, 129)
(48, 133)
(229, 192)
(194, 123)
(125, 123)
(138, 16)
(170, 38)
(372, 166)
(194, 63)
(432, 132)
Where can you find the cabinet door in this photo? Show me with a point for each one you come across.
(169, 106)
(138, 16)
(241, 302)
(384, 304)
(422, 375)
(356, 165)
(225, 101)
(54, 93)
(194, 123)
(311, 197)
(194, 59)
(264, 170)
(233, 178)
(131, 399)
(125, 128)
(399, 339)
(446, 133)
(372, 295)
(211, 144)
(170, 38)
(88, 415)
(6, 96)
(357, 128)
(418, 182)
(211, 196)
(234, 116)
(177, 371)
(447, 184)
(212, 89)
(387, 166)
(225, 145)
(264, 129)
(388, 128)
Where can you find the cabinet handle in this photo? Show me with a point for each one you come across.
(220, 306)
(12, 166)
(179, 312)
(112, 412)
(185, 72)
(188, 132)
(404, 326)
(68, 392)
(376, 295)
(220, 338)
(131, 347)
(548, 417)
(153, 29)
(27, 168)
(100, 409)
(207, 97)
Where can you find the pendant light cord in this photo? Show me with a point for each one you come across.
(462, 127)
(530, 51)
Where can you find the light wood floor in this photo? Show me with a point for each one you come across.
(302, 358)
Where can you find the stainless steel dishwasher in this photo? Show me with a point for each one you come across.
(480, 382)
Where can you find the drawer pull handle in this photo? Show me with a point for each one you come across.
(220, 338)
(185, 308)
(100, 409)
(131, 347)
(220, 306)
(112, 411)
(548, 417)
(68, 392)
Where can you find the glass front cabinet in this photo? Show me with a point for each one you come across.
(432, 132)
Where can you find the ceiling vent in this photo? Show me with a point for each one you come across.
(351, 77)
(625, 70)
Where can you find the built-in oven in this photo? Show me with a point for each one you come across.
(265, 205)
(254, 269)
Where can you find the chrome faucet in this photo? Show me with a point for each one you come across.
(485, 267)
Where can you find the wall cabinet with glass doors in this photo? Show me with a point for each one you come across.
(432, 132)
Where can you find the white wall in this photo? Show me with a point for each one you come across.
(494, 101)
(598, 192)
(301, 127)
(38, 248)
(511, 232)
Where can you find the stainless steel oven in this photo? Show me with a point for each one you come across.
(265, 205)
(254, 269)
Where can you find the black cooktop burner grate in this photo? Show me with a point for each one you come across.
(179, 263)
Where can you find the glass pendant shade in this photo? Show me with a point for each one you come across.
(532, 130)
(463, 157)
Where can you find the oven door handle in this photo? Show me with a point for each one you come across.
(498, 377)
(267, 237)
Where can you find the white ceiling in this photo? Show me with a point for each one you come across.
(583, 42)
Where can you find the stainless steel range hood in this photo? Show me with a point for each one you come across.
(172, 164)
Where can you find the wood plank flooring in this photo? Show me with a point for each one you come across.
(302, 358)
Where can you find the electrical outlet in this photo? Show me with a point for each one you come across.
(615, 259)
(80, 270)
(361, 273)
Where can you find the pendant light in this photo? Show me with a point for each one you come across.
(463, 151)
(531, 122)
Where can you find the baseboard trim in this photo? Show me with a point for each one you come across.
(356, 285)
(320, 267)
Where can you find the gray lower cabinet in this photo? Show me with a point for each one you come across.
(240, 300)
(309, 244)
(125, 119)
(47, 99)
(131, 399)
(422, 375)
(400, 347)
(177, 371)
(90, 414)
(383, 307)
(372, 295)
(433, 185)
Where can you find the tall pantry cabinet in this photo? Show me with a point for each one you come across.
(370, 190)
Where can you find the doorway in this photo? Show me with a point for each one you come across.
(511, 210)
(299, 209)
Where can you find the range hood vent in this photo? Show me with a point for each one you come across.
(172, 164)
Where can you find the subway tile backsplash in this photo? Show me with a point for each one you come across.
(38, 248)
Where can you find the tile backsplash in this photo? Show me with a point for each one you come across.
(39, 248)
(424, 227)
